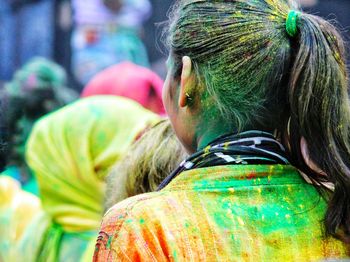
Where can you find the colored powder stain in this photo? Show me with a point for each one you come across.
(239, 14)
(337, 57)
(175, 255)
(109, 242)
(220, 220)
(242, 39)
(142, 221)
(251, 176)
(245, 256)
(226, 205)
(206, 150)
(129, 220)
(240, 221)
(201, 185)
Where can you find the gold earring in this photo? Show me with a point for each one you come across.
(188, 96)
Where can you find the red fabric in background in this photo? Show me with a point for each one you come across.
(129, 80)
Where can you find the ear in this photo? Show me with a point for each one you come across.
(186, 78)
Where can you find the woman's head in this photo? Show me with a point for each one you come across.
(149, 161)
(240, 54)
(71, 151)
(234, 67)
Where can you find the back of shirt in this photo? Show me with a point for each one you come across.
(225, 213)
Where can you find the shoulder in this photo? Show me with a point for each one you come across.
(131, 208)
(131, 228)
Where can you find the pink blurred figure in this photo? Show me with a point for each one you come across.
(129, 80)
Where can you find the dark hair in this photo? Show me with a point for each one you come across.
(252, 74)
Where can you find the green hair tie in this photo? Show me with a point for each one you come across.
(291, 23)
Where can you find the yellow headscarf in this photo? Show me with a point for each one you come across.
(71, 151)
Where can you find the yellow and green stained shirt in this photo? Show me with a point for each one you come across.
(223, 213)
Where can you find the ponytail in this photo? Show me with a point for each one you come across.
(320, 115)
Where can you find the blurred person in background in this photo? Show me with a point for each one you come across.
(26, 31)
(129, 80)
(145, 165)
(107, 32)
(38, 88)
(70, 153)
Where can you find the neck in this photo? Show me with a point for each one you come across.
(209, 135)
